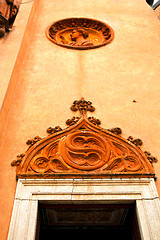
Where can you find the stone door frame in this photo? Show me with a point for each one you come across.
(84, 191)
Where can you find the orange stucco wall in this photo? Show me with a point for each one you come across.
(44, 79)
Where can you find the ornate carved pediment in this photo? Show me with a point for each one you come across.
(83, 150)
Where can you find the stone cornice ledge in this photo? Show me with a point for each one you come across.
(76, 189)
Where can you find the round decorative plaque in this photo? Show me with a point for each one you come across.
(80, 33)
(85, 150)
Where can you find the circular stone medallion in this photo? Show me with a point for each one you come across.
(80, 33)
(85, 150)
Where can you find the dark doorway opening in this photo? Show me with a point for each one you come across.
(72, 221)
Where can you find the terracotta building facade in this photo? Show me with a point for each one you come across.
(79, 120)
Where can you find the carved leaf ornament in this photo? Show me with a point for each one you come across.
(83, 150)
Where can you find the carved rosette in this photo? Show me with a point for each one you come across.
(84, 150)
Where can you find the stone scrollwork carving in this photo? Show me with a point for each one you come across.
(18, 160)
(8, 13)
(117, 130)
(82, 106)
(72, 121)
(150, 157)
(51, 130)
(138, 142)
(94, 120)
(84, 149)
(80, 33)
(31, 142)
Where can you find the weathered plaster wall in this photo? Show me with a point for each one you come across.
(47, 79)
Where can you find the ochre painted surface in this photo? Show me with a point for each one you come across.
(121, 79)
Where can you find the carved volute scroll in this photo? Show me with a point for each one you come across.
(80, 33)
(8, 13)
(84, 149)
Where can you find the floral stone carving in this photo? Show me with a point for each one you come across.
(84, 149)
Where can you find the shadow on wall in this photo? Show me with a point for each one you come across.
(150, 2)
(155, 4)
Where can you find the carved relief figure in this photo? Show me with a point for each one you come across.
(80, 33)
(79, 37)
(8, 12)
